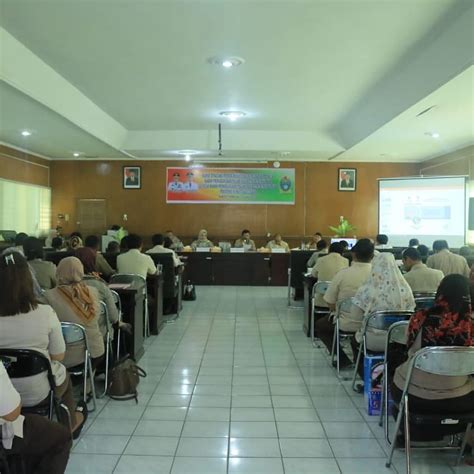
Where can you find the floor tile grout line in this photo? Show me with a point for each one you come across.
(231, 388)
(141, 417)
(271, 397)
(194, 385)
(309, 394)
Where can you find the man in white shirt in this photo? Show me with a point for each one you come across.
(157, 240)
(190, 185)
(321, 249)
(176, 185)
(134, 261)
(42, 443)
(420, 278)
(446, 261)
(345, 285)
(381, 242)
(327, 267)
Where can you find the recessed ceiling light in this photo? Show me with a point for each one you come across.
(26, 133)
(227, 62)
(232, 115)
(187, 152)
(76, 154)
(432, 134)
(187, 157)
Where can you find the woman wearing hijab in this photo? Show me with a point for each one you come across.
(385, 289)
(75, 302)
(92, 279)
(447, 323)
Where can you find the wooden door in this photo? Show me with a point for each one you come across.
(91, 216)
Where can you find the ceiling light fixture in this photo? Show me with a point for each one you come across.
(432, 134)
(76, 154)
(232, 115)
(226, 62)
(187, 157)
(26, 133)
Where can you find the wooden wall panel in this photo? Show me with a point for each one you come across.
(318, 203)
(460, 162)
(23, 167)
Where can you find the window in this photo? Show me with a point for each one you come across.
(25, 207)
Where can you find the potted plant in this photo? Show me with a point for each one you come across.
(343, 229)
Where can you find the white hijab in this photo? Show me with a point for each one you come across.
(385, 289)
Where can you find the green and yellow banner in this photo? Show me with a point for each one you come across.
(230, 185)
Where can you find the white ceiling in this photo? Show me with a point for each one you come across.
(320, 79)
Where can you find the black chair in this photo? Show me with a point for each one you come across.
(57, 256)
(170, 280)
(21, 363)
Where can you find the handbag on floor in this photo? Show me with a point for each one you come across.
(189, 291)
(124, 380)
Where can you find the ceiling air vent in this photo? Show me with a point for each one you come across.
(423, 112)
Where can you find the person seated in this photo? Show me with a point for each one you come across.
(327, 266)
(447, 323)
(278, 243)
(446, 261)
(49, 239)
(75, 302)
(102, 266)
(134, 261)
(92, 278)
(345, 245)
(43, 445)
(321, 249)
(315, 238)
(424, 252)
(124, 244)
(413, 243)
(381, 242)
(45, 272)
(19, 240)
(74, 243)
(345, 285)
(420, 278)
(113, 248)
(176, 244)
(245, 241)
(57, 244)
(384, 290)
(26, 324)
(202, 240)
(158, 247)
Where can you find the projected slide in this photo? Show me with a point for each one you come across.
(425, 208)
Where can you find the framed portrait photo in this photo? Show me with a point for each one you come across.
(132, 177)
(346, 179)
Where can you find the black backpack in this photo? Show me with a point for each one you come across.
(189, 291)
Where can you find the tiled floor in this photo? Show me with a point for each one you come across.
(235, 387)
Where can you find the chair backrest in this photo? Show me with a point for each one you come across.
(445, 360)
(424, 302)
(397, 332)
(343, 306)
(169, 281)
(320, 287)
(117, 301)
(104, 315)
(382, 320)
(129, 278)
(21, 363)
(424, 294)
(73, 333)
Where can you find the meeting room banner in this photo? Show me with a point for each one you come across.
(230, 185)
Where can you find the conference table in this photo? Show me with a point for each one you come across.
(241, 269)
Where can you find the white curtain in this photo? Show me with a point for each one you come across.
(25, 207)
